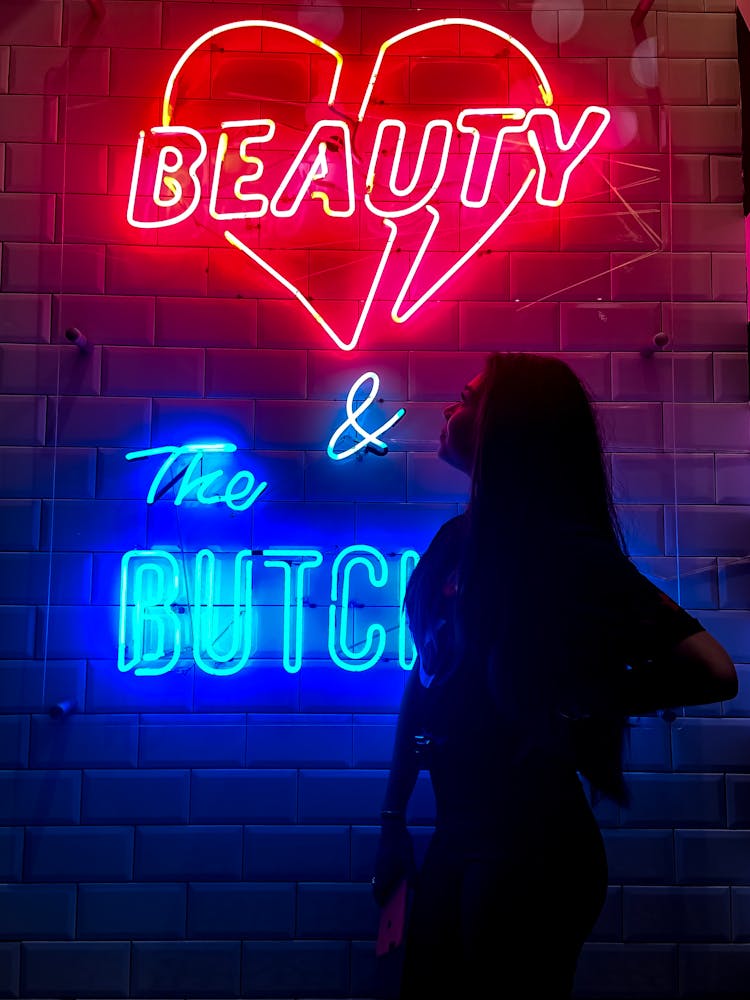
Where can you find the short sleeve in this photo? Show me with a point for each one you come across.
(637, 616)
(657, 623)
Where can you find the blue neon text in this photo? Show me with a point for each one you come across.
(175, 607)
(241, 490)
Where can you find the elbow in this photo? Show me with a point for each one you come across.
(727, 676)
(706, 658)
(730, 686)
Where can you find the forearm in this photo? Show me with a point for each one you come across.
(404, 763)
(401, 781)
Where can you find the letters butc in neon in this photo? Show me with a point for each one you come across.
(149, 637)
(214, 653)
(370, 651)
(294, 563)
(154, 635)
(321, 174)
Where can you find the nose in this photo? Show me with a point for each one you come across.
(449, 410)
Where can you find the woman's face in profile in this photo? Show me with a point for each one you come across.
(458, 436)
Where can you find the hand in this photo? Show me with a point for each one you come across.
(394, 859)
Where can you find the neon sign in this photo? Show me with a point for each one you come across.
(368, 440)
(240, 171)
(219, 631)
(173, 605)
(241, 490)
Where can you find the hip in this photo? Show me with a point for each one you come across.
(537, 807)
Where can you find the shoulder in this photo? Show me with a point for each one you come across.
(438, 557)
(600, 574)
(448, 537)
(593, 557)
(614, 591)
(601, 555)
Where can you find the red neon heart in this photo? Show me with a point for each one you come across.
(416, 230)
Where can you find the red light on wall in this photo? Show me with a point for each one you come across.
(407, 164)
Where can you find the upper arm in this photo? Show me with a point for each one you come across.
(666, 639)
(675, 660)
(672, 659)
(640, 618)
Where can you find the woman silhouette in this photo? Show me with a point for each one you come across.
(537, 638)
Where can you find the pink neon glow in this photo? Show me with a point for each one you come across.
(167, 107)
(432, 126)
(514, 114)
(323, 166)
(544, 88)
(318, 171)
(403, 317)
(266, 129)
(344, 345)
(544, 115)
(176, 189)
(170, 183)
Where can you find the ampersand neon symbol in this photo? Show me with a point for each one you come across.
(368, 440)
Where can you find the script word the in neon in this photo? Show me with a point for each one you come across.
(236, 184)
(219, 630)
(367, 440)
(240, 491)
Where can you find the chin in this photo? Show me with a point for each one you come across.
(444, 454)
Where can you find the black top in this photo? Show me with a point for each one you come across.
(555, 708)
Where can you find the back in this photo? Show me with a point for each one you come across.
(548, 683)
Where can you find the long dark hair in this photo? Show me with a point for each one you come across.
(539, 478)
(538, 455)
(538, 470)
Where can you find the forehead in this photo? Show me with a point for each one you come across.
(473, 385)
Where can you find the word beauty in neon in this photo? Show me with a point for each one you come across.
(242, 170)
(240, 492)
(220, 628)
